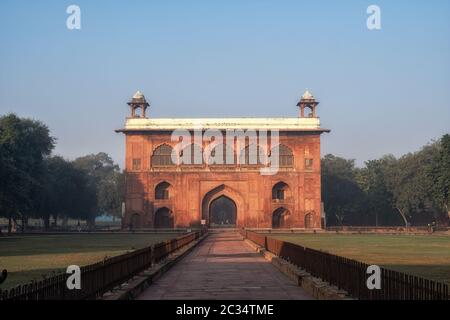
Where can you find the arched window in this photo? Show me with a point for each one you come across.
(309, 223)
(192, 155)
(280, 218)
(285, 156)
(252, 155)
(163, 218)
(162, 191)
(280, 191)
(222, 154)
(310, 111)
(162, 156)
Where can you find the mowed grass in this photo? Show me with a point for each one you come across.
(427, 256)
(30, 257)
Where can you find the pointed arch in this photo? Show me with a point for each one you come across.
(309, 220)
(280, 218)
(163, 156)
(162, 190)
(192, 154)
(217, 192)
(284, 154)
(163, 219)
(281, 191)
(222, 211)
(221, 154)
(252, 154)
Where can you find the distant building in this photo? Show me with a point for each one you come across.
(170, 184)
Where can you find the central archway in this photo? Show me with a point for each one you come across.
(224, 199)
(222, 212)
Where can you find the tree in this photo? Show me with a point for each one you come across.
(409, 182)
(439, 172)
(111, 194)
(24, 144)
(105, 178)
(372, 180)
(342, 196)
(67, 192)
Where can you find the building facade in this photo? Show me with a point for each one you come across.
(243, 172)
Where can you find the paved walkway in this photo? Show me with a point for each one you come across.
(224, 267)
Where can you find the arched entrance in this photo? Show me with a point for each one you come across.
(280, 218)
(309, 223)
(163, 218)
(223, 203)
(222, 212)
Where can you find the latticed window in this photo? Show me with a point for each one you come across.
(222, 154)
(308, 164)
(162, 156)
(192, 155)
(285, 156)
(252, 155)
(136, 164)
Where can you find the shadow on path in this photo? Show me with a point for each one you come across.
(224, 267)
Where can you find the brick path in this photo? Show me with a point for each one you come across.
(224, 267)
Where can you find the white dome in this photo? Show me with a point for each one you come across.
(308, 95)
(138, 95)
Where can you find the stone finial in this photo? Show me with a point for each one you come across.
(308, 96)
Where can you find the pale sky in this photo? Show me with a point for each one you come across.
(385, 91)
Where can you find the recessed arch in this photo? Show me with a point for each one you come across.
(280, 218)
(281, 191)
(309, 220)
(221, 154)
(284, 154)
(192, 154)
(217, 192)
(252, 154)
(163, 219)
(163, 191)
(222, 212)
(163, 156)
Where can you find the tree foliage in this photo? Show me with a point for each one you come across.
(413, 189)
(36, 184)
(24, 144)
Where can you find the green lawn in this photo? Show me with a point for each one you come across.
(29, 257)
(426, 256)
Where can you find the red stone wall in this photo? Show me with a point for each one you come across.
(193, 188)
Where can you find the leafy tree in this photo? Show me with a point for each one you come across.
(409, 182)
(67, 192)
(111, 193)
(105, 178)
(342, 196)
(24, 144)
(439, 172)
(372, 180)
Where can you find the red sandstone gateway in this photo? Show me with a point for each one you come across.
(163, 190)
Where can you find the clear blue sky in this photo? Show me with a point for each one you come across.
(381, 92)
